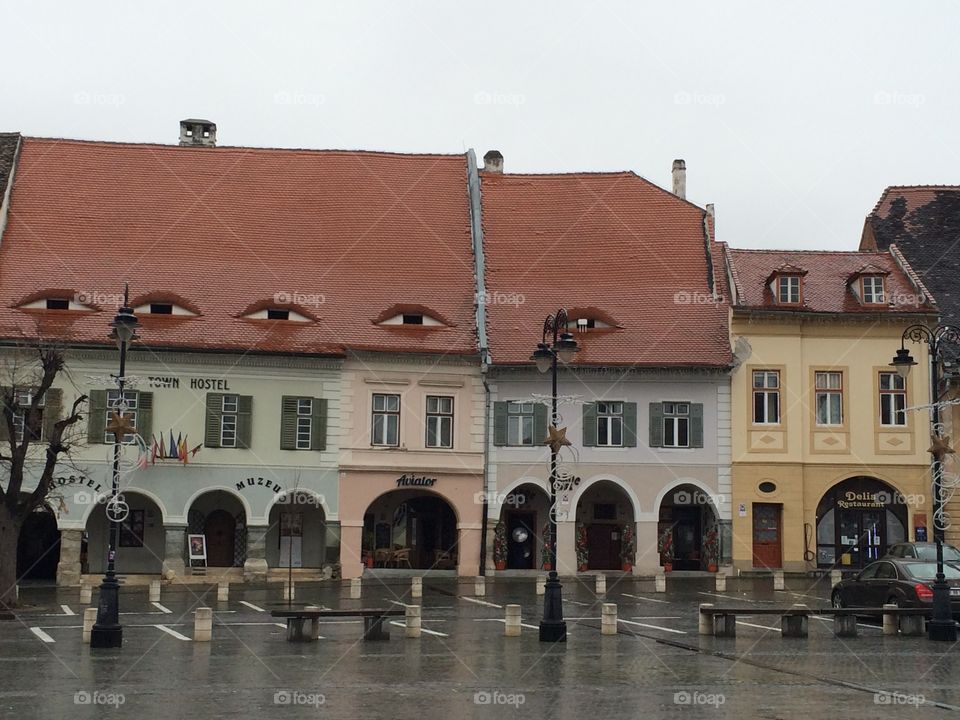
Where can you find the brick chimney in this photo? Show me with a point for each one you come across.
(198, 133)
(680, 179)
(493, 162)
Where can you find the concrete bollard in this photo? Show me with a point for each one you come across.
(89, 620)
(721, 582)
(314, 623)
(86, 594)
(223, 591)
(835, 577)
(845, 625)
(608, 619)
(203, 625)
(289, 590)
(661, 582)
(601, 585)
(890, 624)
(706, 619)
(480, 586)
(541, 584)
(778, 580)
(511, 626)
(412, 621)
(154, 591)
(795, 625)
(416, 587)
(354, 588)
(911, 625)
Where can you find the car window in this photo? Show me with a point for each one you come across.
(896, 551)
(951, 554)
(929, 553)
(886, 571)
(869, 572)
(928, 571)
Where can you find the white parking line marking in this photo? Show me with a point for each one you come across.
(638, 597)
(252, 606)
(281, 625)
(655, 627)
(42, 635)
(422, 629)
(162, 608)
(728, 597)
(657, 617)
(501, 620)
(397, 602)
(480, 602)
(575, 602)
(174, 633)
(66, 610)
(762, 627)
(860, 624)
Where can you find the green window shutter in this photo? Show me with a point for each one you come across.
(696, 425)
(52, 410)
(590, 425)
(539, 424)
(656, 424)
(500, 423)
(244, 420)
(96, 416)
(318, 441)
(5, 392)
(288, 422)
(629, 424)
(145, 416)
(211, 436)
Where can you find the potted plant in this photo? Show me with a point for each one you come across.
(628, 549)
(711, 548)
(547, 562)
(665, 545)
(500, 546)
(583, 554)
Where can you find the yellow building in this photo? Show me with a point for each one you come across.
(830, 462)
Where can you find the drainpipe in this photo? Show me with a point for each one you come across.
(486, 468)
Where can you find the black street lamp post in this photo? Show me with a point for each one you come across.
(553, 628)
(941, 626)
(107, 631)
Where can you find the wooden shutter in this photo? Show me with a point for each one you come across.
(590, 425)
(696, 425)
(288, 422)
(539, 423)
(244, 420)
(5, 392)
(500, 436)
(96, 416)
(211, 437)
(52, 409)
(656, 424)
(145, 416)
(318, 440)
(629, 424)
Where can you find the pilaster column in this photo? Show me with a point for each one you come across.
(255, 567)
(68, 569)
(351, 544)
(648, 555)
(567, 547)
(174, 546)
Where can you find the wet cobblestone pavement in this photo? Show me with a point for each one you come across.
(463, 666)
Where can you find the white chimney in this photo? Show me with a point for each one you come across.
(680, 179)
(493, 162)
(198, 133)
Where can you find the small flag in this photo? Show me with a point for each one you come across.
(153, 449)
(142, 462)
(163, 451)
(182, 450)
(196, 450)
(171, 448)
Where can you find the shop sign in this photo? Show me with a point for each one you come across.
(415, 481)
(259, 481)
(80, 480)
(851, 499)
(196, 383)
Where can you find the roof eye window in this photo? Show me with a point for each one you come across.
(58, 304)
(277, 314)
(413, 319)
(161, 308)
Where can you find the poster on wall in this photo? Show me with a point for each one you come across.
(291, 540)
(197, 545)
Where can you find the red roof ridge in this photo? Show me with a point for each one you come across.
(775, 251)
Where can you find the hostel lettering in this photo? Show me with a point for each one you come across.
(81, 480)
(414, 480)
(253, 482)
(209, 384)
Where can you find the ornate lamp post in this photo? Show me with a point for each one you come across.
(561, 348)
(941, 626)
(107, 631)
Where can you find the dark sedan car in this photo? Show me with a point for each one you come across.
(925, 551)
(906, 583)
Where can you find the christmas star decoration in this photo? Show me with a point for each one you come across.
(940, 447)
(120, 426)
(556, 438)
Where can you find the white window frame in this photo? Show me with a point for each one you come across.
(790, 283)
(24, 399)
(676, 415)
(229, 425)
(382, 407)
(131, 412)
(519, 419)
(609, 423)
(832, 394)
(895, 397)
(876, 294)
(304, 439)
(768, 392)
(439, 421)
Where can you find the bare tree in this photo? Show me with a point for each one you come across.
(36, 437)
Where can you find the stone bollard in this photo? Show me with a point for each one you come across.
(795, 625)
(223, 591)
(289, 590)
(203, 625)
(314, 624)
(86, 594)
(412, 621)
(480, 586)
(512, 627)
(608, 619)
(706, 619)
(154, 591)
(835, 577)
(661, 582)
(911, 625)
(89, 620)
(845, 625)
(890, 624)
(778, 579)
(416, 587)
(601, 585)
(721, 582)
(354, 588)
(541, 584)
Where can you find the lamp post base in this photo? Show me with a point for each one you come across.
(942, 630)
(553, 628)
(107, 631)
(941, 626)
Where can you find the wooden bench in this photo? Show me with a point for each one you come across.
(722, 621)
(372, 621)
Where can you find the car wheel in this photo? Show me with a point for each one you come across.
(837, 599)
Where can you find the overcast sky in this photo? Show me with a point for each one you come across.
(792, 117)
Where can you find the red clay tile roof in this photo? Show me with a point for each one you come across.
(609, 241)
(344, 235)
(827, 281)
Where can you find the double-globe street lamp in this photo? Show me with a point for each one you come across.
(107, 631)
(941, 626)
(556, 345)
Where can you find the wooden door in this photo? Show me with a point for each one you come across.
(687, 539)
(220, 530)
(603, 546)
(521, 555)
(767, 536)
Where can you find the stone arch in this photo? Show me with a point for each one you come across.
(631, 495)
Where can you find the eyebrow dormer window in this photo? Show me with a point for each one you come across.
(872, 289)
(788, 289)
(413, 319)
(277, 314)
(58, 304)
(161, 308)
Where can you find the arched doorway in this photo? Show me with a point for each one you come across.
(220, 517)
(38, 546)
(296, 536)
(410, 529)
(140, 545)
(606, 527)
(857, 520)
(524, 512)
(687, 529)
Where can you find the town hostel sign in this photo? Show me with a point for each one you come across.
(415, 481)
